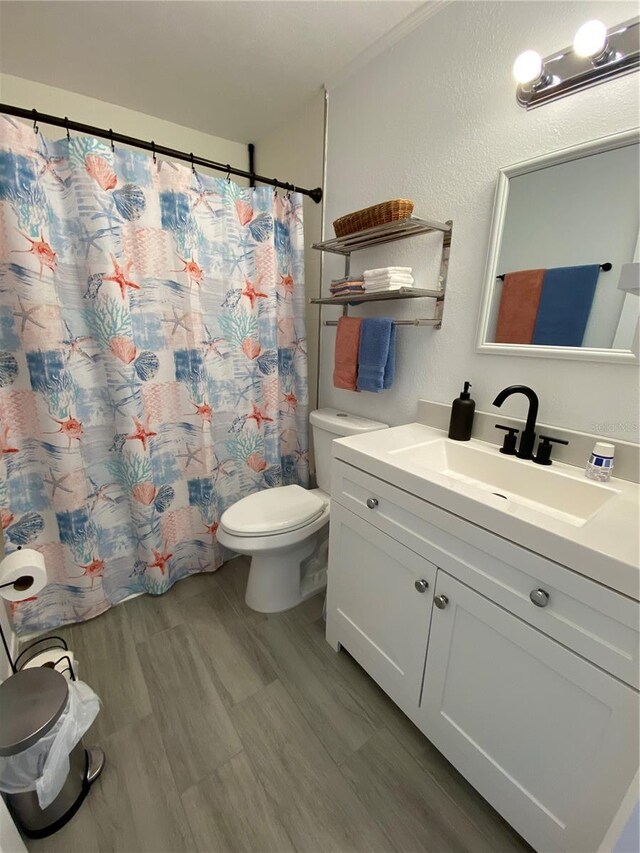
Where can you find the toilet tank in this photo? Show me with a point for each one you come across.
(328, 424)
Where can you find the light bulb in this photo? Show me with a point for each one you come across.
(591, 39)
(528, 67)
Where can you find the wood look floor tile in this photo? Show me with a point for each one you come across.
(309, 611)
(360, 682)
(492, 825)
(318, 807)
(230, 811)
(232, 577)
(318, 760)
(236, 661)
(150, 614)
(109, 663)
(197, 584)
(336, 713)
(196, 730)
(407, 803)
(135, 804)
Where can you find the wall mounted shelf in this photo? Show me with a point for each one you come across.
(382, 296)
(412, 226)
(400, 230)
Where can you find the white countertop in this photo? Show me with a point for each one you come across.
(606, 548)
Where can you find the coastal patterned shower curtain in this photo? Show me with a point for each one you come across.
(152, 364)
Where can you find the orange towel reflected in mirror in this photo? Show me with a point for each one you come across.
(519, 306)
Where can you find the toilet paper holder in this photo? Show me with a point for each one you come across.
(23, 572)
(37, 647)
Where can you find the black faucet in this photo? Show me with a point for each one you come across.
(528, 437)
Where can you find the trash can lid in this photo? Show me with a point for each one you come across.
(31, 702)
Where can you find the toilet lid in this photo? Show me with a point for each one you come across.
(272, 511)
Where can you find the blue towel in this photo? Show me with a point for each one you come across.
(565, 303)
(377, 354)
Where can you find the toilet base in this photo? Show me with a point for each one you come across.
(276, 581)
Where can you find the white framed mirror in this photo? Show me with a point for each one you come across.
(563, 265)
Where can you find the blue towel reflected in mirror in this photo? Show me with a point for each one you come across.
(565, 304)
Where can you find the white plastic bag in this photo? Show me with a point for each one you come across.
(45, 765)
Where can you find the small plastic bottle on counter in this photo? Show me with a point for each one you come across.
(600, 464)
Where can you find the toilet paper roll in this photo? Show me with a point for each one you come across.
(24, 573)
(50, 658)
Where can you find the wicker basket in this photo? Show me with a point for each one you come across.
(378, 214)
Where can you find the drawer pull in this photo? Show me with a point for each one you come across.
(539, 597)
(372, 503)
(441, 601)
(422, 585)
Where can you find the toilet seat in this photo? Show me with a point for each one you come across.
(273, 511)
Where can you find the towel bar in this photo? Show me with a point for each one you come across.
(431, 321)
(604, 267)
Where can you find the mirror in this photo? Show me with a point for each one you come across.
(564, 266)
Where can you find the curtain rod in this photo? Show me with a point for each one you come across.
(174, 154)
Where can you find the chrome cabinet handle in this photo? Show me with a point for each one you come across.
(539, 597)
(372, 503)
(422, 585)
(441, 601)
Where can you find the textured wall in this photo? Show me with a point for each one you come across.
(294, 152)
(49, 99)
(433, 119)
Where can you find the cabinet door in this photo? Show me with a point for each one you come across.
(374, 608)
(549, 739)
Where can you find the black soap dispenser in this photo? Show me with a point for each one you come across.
(462, 412)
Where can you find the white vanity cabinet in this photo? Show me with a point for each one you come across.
(536, 706)
(543, 734)
(383, 604)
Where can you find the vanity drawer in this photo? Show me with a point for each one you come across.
(592, 620)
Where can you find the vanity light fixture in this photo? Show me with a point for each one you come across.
(528, 69)
(597, 54)
(590, 42)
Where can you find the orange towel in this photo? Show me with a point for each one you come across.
(519, 306)
(345, 370)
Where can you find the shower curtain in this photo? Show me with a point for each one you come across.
(152, 364)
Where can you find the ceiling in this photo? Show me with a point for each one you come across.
(232, 68)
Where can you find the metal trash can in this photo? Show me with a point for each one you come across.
(31, 702)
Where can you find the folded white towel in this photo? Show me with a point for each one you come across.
(383, 271)
(374, 288)
(391, 282)
(389, 276)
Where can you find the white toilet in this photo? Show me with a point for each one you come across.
(285, 530)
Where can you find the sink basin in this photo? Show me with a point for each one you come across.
(547, 489)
